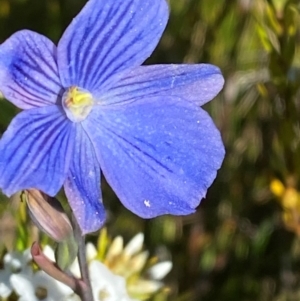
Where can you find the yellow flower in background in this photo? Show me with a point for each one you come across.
(277, 188)
(289, 199)
(4, 11)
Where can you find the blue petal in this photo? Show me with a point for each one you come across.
(82, 186)
(28, 70)
(108, 37)
(35, 151)
(197, 83)
(159, 155)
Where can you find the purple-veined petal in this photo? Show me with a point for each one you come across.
(82, 185)
(197, 83)
(108, 37)
(159, 155)
(28, 70)
(35, 151)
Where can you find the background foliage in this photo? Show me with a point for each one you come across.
(244, 241)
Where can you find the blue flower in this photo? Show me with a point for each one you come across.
(90, 108)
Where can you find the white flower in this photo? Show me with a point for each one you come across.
(5, 287)
(135, 245)
(39, 286)
(132, 263)
(49, 253)
(152, 284)
(160, 270)
(106, 285)
(14, 262)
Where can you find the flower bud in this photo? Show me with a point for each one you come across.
(48, 214)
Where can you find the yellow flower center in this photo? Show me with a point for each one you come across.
(77, 103)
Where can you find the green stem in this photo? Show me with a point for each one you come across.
(86, 293)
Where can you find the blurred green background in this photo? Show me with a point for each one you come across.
(244, 241)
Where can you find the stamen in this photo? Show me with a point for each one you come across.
(77, 103)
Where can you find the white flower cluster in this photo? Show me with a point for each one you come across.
(120, 274)
(19, 277)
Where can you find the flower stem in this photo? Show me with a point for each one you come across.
(86, 293)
